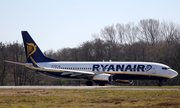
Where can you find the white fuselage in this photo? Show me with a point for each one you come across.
(120, 70)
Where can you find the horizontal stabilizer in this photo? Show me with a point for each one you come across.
(24, 64)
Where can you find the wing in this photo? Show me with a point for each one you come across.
(63, 71)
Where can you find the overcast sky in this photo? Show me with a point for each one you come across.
(56, 24)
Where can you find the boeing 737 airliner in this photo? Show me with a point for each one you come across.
(94, 72)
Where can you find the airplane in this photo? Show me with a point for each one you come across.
(93, 72)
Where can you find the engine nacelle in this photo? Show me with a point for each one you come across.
(124, 81)
(102, 78)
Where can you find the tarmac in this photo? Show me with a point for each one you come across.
(92, 87)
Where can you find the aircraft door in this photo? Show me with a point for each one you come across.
(153, 69)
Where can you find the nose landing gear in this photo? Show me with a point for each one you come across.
(160, 82)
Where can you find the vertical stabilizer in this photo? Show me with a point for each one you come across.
(32, 49)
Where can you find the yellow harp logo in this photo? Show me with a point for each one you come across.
(31, 48)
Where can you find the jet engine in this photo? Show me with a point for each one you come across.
(102, 78)
(124, 81)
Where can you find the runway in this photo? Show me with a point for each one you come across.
(149, 88)
(52, 87)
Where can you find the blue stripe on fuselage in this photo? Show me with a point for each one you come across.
(137, 77)
(126, 76)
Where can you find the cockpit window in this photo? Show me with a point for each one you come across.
(165, 68)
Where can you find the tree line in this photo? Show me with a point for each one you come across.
(150, 40)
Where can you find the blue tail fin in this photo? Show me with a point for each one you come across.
(33, 50)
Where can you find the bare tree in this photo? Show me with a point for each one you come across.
(109, 34)
(149, 29)
(170, 32)
(127, 33)
(3, 65)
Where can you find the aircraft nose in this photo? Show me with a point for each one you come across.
(173, 73)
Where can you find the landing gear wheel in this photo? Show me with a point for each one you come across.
(101, 84)
(159, 84)
(130, 82)
(89, 83)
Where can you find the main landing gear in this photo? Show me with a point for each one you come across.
(89, 83)
(101, 84)
(160, 84)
